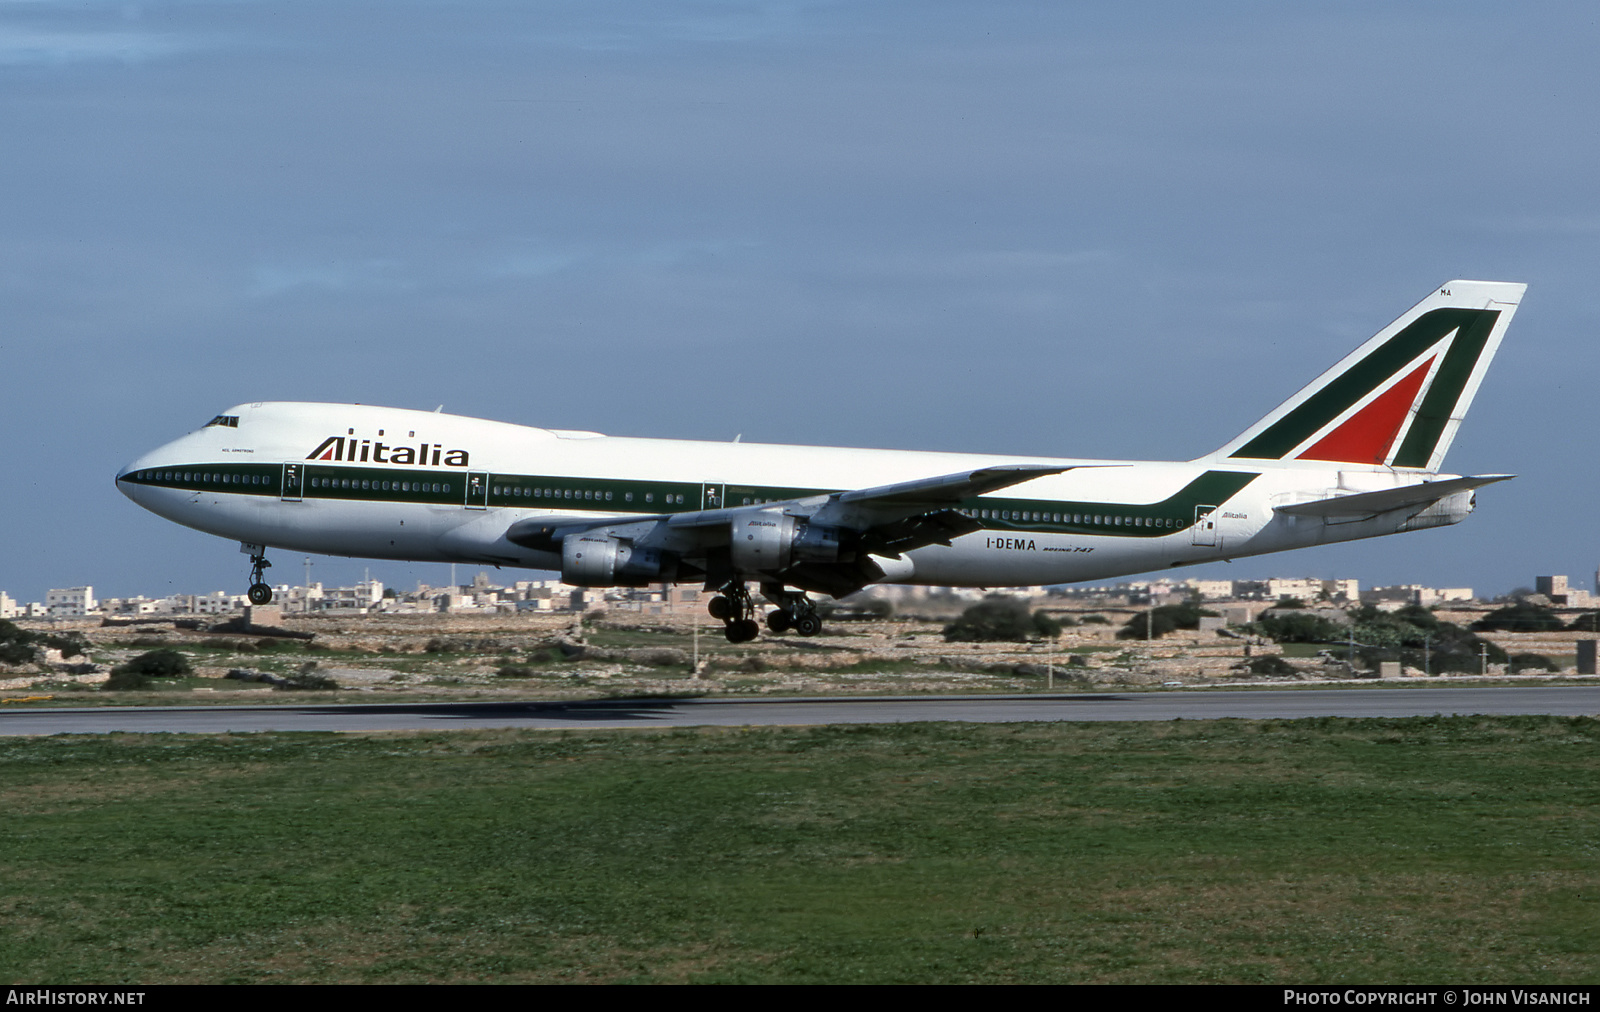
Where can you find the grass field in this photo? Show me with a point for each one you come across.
(1426, 850)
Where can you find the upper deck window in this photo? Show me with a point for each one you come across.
(231, 421)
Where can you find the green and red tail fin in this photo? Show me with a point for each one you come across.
(1397, 400)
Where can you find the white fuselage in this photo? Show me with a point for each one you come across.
(390, 483)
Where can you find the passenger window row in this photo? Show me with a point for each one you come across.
(370, 485)
(1092, 519)
(588, 495)
(206, 477)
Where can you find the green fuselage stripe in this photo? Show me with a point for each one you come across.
(621, 497)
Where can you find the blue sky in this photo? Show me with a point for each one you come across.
(1106, 230)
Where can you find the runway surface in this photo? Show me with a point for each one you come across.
(1257, 705)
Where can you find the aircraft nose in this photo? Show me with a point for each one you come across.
(125, 486)
(129, 476)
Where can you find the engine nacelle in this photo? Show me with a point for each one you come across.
(761, 542)
(595, 560)
(816, 543)
(769, 542)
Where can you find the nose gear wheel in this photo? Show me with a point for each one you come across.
(260, 591)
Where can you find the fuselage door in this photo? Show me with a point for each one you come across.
(477, 490)
(293, 482)
(1204, 531)
(712, 496)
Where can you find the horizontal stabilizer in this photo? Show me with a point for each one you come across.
(1362, 504)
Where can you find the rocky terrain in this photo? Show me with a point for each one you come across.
(628, 653)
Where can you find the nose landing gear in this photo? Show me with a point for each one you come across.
(260, 591)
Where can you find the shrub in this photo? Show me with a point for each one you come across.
(70, 644)
(1000, 619)
(122, 680)
(16, 653)
(1301, 627)
(1157, 622)
(1271, 666)
(159, 664)
(1520, 617)
(305, 680)
(141, 672)
(17, 644)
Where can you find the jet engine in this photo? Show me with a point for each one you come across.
(769, 542)
(595, 560)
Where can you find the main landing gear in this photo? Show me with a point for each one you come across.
(260, 591)
(737, 610)
(795, 611)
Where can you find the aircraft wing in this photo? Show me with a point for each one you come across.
(857, 509)
(860, 509)
(1366, 504)
(908, 498)
(886, 521)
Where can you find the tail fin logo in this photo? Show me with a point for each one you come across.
(1367, 436)
(1398, 399)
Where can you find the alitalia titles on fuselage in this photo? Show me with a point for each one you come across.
(349, 449)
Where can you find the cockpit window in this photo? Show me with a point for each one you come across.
(231, 421)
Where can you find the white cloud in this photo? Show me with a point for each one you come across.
(333, 276)
(49, 47)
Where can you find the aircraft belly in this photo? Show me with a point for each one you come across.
(245, 518)
(376, 530)
(996, 559)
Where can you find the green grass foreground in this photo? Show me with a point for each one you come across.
(1433, 849)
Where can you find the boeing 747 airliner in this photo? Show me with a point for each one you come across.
(1355, 454)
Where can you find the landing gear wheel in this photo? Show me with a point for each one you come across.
(737, 611)
(795, 610)
(260, 591)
